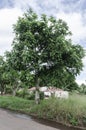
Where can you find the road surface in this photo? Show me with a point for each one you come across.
(9, 121)
(13, 121)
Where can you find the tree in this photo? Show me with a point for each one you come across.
(14, 80)
(41, 45)
(82, 88)
(17, 77)
(3, 75)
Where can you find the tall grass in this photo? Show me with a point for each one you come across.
(71, 111)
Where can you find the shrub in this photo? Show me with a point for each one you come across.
(41, 95)
(8, 90)
(22, 93)
(30, 96)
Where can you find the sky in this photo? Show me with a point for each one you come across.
(71, 11)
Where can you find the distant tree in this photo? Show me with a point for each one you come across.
(14, 80)
(3, 75)
(15, 75)
(41, 45)
(82, 88)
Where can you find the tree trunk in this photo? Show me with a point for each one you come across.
(14, 89)
(14, 92)
(1, 93)
(2, 89)
(37, 95)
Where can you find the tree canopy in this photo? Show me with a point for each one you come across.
(42, 49)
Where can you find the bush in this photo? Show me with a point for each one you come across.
(21, 93)
(30, 96)
(41, 95)
(8, 90)
(24, 94)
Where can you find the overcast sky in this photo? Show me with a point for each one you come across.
(72, 11)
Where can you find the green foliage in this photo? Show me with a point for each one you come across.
(40, 47)
(21, 93)
(18, 77)
(30, 96)
(41, 95)
(41, 50)
(8, 90)
(82, 89)
(27, 95)
(74, 121)
(3, 74)
(24, 94)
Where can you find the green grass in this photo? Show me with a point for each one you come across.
(15, 103)
(71, 111)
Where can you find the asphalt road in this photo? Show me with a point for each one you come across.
(15, 121)
(11, 121)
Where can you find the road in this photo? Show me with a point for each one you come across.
(9, 121)
(13, 121)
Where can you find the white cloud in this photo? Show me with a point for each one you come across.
(82, 78)
(26, 4)
(7, 18)
(75, 23)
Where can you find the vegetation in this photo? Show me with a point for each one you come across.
(82, 89)
(41, 55)
(3, 75)
(41, 47)
(70, 112)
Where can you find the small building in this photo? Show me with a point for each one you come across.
(49, 91)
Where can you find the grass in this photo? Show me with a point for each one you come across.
(71, 111)
(15, 103)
